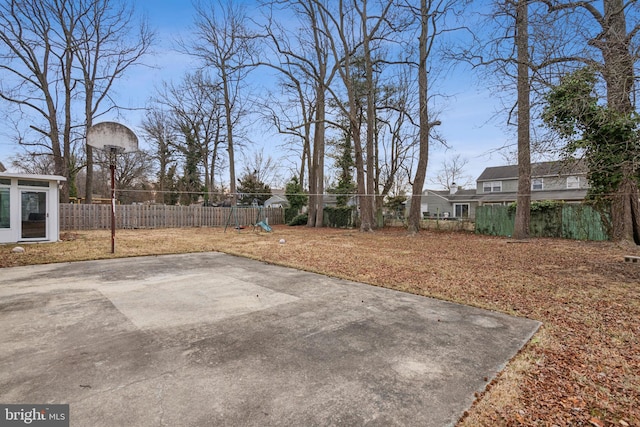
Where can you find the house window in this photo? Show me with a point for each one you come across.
(573, 182)
(33, 183)
(536, 183)
(492, 187)
(461, 210)
(5, 208)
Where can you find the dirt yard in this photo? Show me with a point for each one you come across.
(581, 369)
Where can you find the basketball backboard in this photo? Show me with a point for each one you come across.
(112, 137)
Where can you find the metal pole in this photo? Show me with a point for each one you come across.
(112, 166)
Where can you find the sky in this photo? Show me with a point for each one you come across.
(469, 123)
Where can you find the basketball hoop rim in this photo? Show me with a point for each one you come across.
(115, 149)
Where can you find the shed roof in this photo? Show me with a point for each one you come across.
(33, 177)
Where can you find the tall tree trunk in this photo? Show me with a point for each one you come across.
(228, 110)
(313, 191)
(66, 133)
(618, 61)
(88, 114)
(88, 180)
(523, 209)
(423, 154)
(59, 160)
(315, 174)
(625, 209)
(320, 151)
(366, 216)
(316, 171)
(305, 156)
(368, 209)
(619, 77)
(214, 156)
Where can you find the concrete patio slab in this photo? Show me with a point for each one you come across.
(212, 339)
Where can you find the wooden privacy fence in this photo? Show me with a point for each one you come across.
(95, 217)
(569, 221)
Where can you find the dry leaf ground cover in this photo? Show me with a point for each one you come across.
(581, 369)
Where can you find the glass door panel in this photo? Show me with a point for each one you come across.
(34, 214)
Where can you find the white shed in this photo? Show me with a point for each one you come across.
(29, 207)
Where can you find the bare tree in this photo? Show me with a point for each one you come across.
(353, 34)
(196, 104)
(107, 43)
(224, 43)
(292, 111)
(396, 133)
(133, 171)
(452, 172)
(323, 76)
(265, 168)
(309, 59)
(32, 61)
(515, 63)
(432, 16)
(372, 34)
(308, 69)
(47, 47)
(293, 117)
(160, 134)
(39, 164)
(529, 45)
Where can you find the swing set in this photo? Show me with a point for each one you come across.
(239, 216)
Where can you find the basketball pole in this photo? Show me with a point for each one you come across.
(113, 138)
(112, 166)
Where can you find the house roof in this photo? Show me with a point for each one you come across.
(538, 170)
(276, 199)
(458, 196)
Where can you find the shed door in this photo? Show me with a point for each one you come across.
(34, 214)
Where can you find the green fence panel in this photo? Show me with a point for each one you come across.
(569, 221)
(546, 223)
(494, 220)
(582, 222)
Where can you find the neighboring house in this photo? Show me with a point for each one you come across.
(454, 203)
(558, 180)
(29, 207)
(276, 201)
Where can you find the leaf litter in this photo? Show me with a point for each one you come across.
(581, 369)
